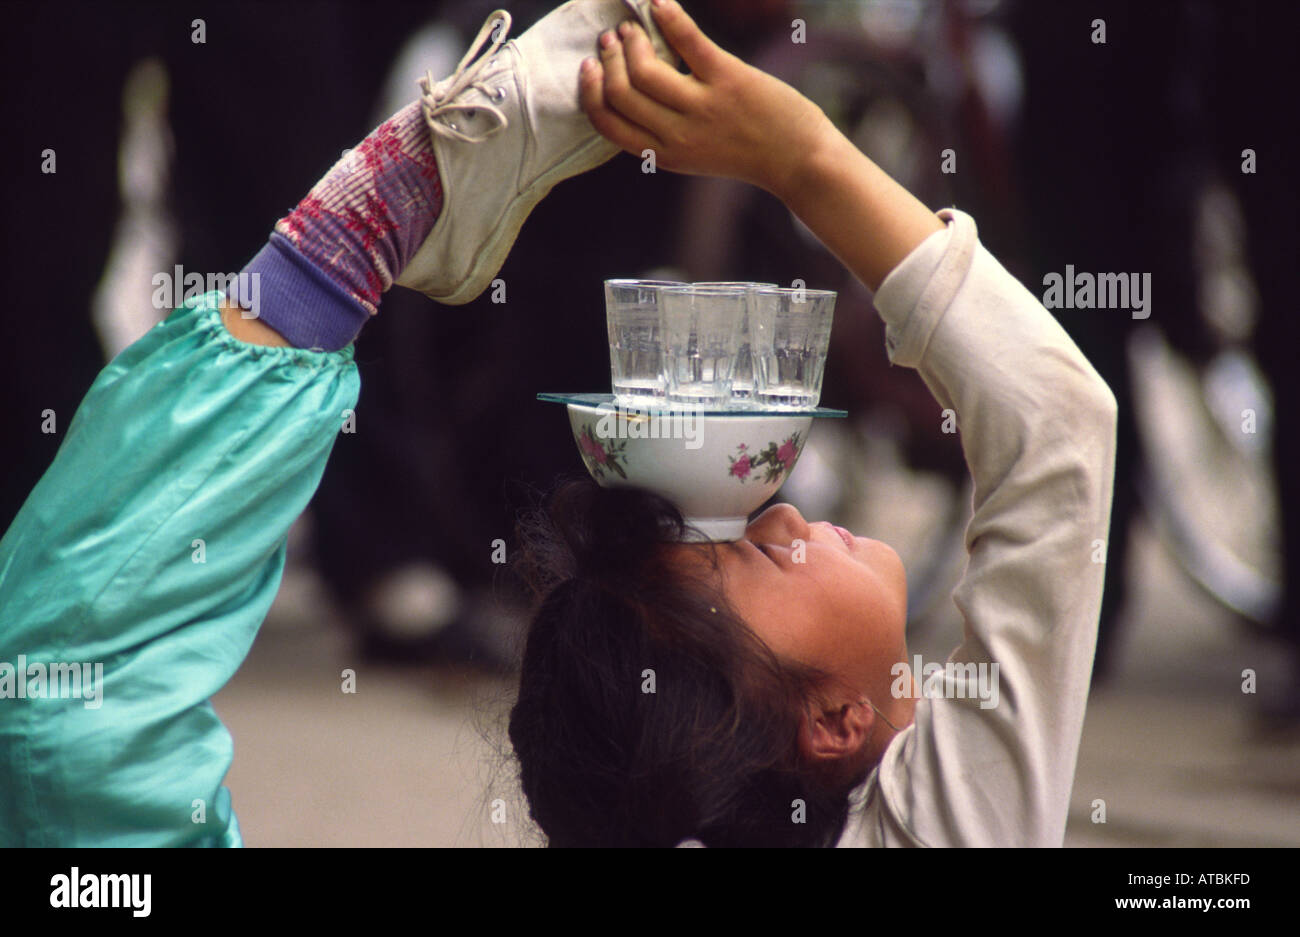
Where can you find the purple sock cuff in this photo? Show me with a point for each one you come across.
(297, 299)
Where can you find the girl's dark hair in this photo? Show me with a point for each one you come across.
(648, 712)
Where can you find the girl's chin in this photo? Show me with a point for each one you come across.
(883, 559)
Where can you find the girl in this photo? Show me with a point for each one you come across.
(781, 714)
(784, 712)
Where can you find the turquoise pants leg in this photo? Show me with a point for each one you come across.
(153, 546)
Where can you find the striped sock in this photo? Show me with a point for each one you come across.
(329, 260)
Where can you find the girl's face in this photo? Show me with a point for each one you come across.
(819, 595)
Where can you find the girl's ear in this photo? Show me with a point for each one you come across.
(835, 731)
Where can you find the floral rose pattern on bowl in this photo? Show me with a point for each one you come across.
(775, 461)
(599, 455)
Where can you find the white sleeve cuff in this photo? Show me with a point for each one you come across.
(916, 293)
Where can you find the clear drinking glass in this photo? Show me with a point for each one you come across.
(790, 333)
(742, 379)
(633, 317)
(701, 335)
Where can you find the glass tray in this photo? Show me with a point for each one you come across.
(607, 400)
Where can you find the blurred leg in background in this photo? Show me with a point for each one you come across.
(1257, 59)
(1111, 157)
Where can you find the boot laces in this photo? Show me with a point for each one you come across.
(441, 99)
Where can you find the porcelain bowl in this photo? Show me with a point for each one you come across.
(717, 469)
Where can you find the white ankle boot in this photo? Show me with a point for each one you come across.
(507, 127)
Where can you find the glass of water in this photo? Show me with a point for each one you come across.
(790, 334)
(636, 339)
(701, 338)
(742, 379)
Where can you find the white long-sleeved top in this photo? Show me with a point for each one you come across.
(1037, 426)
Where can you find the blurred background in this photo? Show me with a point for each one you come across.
(1154, 138)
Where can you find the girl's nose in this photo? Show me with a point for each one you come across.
(781, 523)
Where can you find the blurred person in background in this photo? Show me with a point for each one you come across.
(457, 435)
(1167, 104)
(411, 563)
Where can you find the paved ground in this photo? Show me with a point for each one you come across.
(1172, 744)
(417, 757)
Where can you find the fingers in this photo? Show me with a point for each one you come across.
(624, 97)
(702, 56)
(652, 76)
(611, 125)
